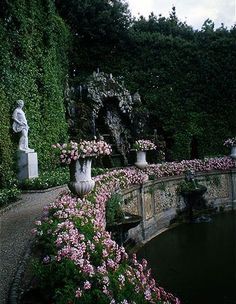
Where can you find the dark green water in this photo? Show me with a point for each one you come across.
(196, 262)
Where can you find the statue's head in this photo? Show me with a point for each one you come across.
(20, 103)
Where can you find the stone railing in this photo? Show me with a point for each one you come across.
(158, 202)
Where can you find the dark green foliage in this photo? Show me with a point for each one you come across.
(187, 82)
(33, 65)
(47, 180)
(53, 178)
(186, 78)
(188, 186)
(9, 195)
(100, 31)
(114, 213)
(6, 159)
(98, 171)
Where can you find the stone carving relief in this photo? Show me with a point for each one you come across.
(131, 203)
(165, 199)
(218, 188)
(148, 205)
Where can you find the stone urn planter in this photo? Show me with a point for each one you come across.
(233, 152)
(142, 146)
(79, 157)
(81, 182)
(141, 162)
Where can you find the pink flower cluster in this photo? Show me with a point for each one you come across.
(111, 181)
(99, 260)
(124, 177)
(72, 151)
(144, 145)
(77, 228)
(197, 165)
(230, 142)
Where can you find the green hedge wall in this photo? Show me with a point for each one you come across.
(33, 66)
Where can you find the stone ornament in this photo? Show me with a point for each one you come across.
(141, 162)
(20, 125)
(81, 182)
(101, 86)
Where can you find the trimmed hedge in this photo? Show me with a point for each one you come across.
(33, 66)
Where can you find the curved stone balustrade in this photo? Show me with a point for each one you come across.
(158, 202)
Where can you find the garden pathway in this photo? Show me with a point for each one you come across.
(15, 233)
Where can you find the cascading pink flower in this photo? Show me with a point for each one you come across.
(68, 215)
(72, 150)
(144, 145)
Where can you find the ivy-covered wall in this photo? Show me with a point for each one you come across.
(186, 77)
(33, 66)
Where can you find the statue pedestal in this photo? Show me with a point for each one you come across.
(27, 164)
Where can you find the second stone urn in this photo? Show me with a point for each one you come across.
(81, 182)
(141, 162)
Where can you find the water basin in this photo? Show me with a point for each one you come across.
(197, 262)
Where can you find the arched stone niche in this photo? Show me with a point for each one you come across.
(108, 106)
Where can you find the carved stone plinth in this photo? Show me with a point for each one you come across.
(27, 164)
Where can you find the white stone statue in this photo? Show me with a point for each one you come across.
(20, 125)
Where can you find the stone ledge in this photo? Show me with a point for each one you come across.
(43, 190)
(15, 291)
(159, 206)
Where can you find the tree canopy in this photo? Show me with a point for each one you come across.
(99, 29)
(186, 77)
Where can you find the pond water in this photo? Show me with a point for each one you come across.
(196, 262)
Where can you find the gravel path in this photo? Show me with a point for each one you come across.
(15, 233)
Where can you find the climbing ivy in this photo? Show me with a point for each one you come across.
(33, 66)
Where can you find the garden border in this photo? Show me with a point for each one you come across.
(15, 287)
(14, 291)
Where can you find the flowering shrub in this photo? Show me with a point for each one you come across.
(230, 142)
(72, 151)
(197, 165)
(144, 145)
(81, 262)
